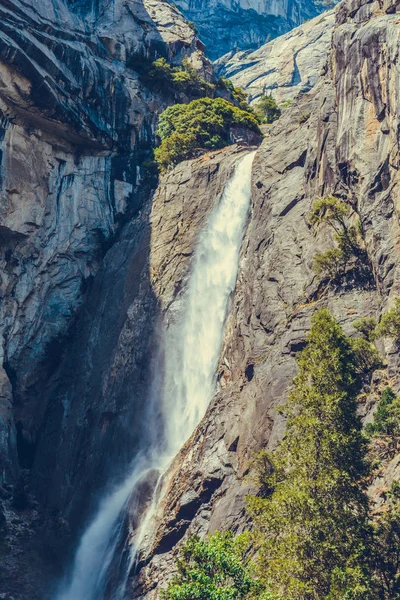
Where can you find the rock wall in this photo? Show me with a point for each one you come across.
(341, 138)
(75, 125)
(226, 26)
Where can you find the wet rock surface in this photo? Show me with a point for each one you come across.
(76, 123)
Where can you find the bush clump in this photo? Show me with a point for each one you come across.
(268, 110)
(179, 79)
(366, 327)
(349, 255)
(237, 93)
(201, 124)
(367, 357)
(389, 325)
(216, 568)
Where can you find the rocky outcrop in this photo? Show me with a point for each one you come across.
(341, 138)
(285, 67)
(225, 26)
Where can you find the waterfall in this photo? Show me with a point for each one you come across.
(192, 348)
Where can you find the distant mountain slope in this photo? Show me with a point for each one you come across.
(284, 67)
(226, 25)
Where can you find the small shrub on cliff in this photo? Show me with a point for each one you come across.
(201, 124)
(367, 357)
(389, 325)
(387, 417)
(268, 110)
(238, 94)
(216, 568)
(161, 76)
(366, 326)
(330, 264)
(349, 256)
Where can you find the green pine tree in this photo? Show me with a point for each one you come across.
(312, 512)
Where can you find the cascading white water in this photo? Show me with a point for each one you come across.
(192, 349)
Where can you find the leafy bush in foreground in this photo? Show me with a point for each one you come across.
(214, 569)
(203, 123)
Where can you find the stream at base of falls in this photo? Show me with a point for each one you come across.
(192, 347)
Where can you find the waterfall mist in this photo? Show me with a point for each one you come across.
(192, 346)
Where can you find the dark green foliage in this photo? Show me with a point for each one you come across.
(162, 77)
(330, 264)
(268, 109)
(214, 569)
(313, 523)
(366, 326)
(367, 357)
(387, 546)
(387, 417)
(330, 210)
(203, 123)
(389, 325)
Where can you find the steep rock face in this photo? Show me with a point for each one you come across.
(283, 68)
(341, 138)
(225, 25)
(75, 125)
(96, 397)
(100, 390)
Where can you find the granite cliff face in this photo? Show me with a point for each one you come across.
(92, 261)
(76, 124)
(225, 26)
(284, 67)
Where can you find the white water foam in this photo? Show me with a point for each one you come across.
(192, 350)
